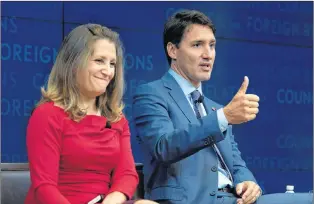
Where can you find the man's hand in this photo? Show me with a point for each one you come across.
(243, 107)
(248, 191)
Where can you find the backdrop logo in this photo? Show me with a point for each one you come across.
(283, 7)
(289, 96)
(17, 107)
(28, 53)
(278, 26)
(276, 163)
(8, 24)
(39, 80)
(138, 62)
(225, 93)
(294, 142)
(8, 79)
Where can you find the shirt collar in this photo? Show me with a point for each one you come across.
(185, 85)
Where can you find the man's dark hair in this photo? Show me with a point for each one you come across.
(177, 24)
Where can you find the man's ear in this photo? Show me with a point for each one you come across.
(172, 50)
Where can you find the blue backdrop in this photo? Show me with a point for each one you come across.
(271, 42)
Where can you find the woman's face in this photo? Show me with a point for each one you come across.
(100, 69)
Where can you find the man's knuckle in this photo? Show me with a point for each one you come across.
(246, 109)
(247, 117)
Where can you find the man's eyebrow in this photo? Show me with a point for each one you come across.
(202, 41)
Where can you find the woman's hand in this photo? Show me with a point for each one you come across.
(114, 198)
(145, 202)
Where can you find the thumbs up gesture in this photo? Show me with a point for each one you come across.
(243, 107)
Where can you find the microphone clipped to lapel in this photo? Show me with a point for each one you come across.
(108, 125)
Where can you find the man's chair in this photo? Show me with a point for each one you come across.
(15, 182)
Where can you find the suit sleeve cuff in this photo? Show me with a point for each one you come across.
(222, 120)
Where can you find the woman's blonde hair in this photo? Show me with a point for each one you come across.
(75, 50)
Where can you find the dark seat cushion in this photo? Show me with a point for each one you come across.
(14, 186)
(15, 182)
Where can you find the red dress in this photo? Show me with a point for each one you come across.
(72, 162)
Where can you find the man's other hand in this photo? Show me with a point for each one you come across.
(249, 192)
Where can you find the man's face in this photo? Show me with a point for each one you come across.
(195, 55)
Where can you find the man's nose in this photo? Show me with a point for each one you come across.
(207, 54)
(209, 51)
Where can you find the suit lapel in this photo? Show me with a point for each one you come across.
(178, 96)
(209, 106)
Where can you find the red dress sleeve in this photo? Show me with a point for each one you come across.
(125, 178)
(44, 146)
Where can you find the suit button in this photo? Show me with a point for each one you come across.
(207, 141)
(213, 193)
(211, 139)
(214, 168)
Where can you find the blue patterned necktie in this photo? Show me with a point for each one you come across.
(197, 100)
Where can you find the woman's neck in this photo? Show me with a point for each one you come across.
(88, 105)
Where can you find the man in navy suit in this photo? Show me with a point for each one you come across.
(190, 155)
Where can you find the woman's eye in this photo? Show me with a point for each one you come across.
(99, 60)
(113, 64)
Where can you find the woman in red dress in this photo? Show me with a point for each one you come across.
(78, 140)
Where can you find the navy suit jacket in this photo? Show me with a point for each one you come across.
(179, 163)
